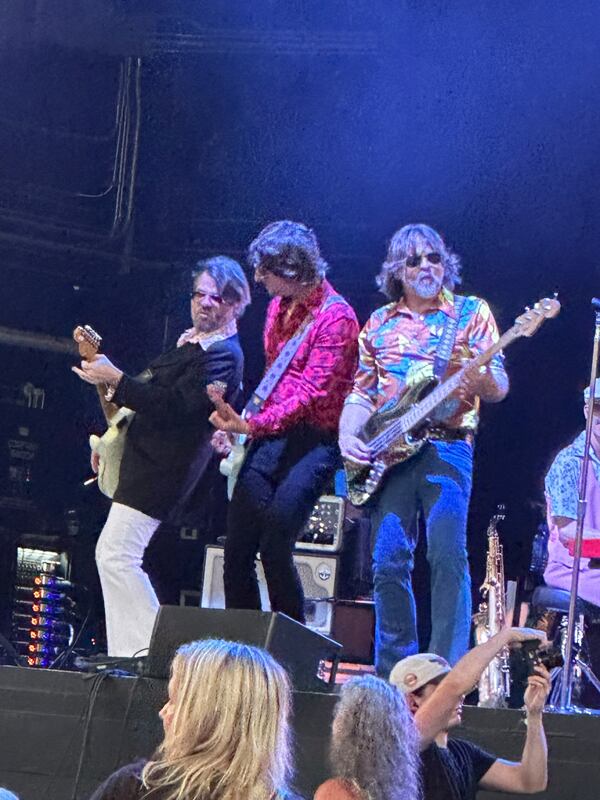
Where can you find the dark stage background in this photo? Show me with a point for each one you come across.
(136, 137)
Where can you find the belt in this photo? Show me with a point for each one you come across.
(452, 435)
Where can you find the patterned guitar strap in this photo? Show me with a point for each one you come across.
(281, 363)
(445, 346)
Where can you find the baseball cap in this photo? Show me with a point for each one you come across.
(415, 671)
(586, 394)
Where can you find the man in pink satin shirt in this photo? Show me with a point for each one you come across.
(293, 448)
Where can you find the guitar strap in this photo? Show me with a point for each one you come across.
(445, 346)
(281, 363)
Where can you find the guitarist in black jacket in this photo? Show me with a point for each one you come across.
(168, 445)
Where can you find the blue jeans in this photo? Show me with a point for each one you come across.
(435, 483)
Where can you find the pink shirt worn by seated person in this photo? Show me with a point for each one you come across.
(562, 490)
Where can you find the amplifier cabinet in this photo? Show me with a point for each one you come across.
(318, 575)
(324, 528)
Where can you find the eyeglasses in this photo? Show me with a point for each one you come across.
(216, 298)
(415, 261)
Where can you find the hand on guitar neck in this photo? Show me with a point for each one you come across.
(99, 369)
(96, 368)
(482, 382)
(108, 449)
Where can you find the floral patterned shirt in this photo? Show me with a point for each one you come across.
(562, 495)
(397, 349)
(317, 380)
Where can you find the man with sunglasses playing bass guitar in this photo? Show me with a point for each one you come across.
(424, 330)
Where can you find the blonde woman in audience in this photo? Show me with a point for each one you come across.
(374, 745)
(226, 725)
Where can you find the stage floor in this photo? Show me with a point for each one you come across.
(62, 733)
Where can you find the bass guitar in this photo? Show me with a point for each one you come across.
(396, 434)
(111, 444)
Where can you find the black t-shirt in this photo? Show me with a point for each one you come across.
(453, 773)
(126, 784)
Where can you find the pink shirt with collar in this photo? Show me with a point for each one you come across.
(317, 380)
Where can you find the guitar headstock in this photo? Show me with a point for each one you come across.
(216, 391)
(528, 323)
(88, 341)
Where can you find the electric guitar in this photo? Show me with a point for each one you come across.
(396, 434)
(111, 444)
(231, 464)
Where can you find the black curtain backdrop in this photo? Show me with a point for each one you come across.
(137, 137)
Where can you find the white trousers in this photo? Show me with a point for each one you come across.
(130, 602)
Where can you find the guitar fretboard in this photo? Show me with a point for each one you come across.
(418, 413)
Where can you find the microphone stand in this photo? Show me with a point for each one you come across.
(567, 688)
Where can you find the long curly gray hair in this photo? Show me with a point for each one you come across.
(403, 244)
(375, 743)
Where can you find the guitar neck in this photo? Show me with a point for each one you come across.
(423, 409)
(108, 409)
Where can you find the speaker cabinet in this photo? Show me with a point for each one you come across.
(318, 575)
(354, 628)
(299, 649)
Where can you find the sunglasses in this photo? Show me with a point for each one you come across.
(216, 298)
(415, 261)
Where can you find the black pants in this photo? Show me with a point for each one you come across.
(279, 483)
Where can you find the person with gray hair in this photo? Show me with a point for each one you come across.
(425, 332)
(168, 447)
(403, 242)
(374, 745)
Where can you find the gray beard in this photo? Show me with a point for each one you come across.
(425, 290)
(206, 325)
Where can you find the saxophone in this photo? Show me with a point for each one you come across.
(494, 684)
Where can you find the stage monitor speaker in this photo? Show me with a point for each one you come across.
(318, 575)
(299, 649)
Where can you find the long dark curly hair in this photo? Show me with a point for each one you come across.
(290, 250)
